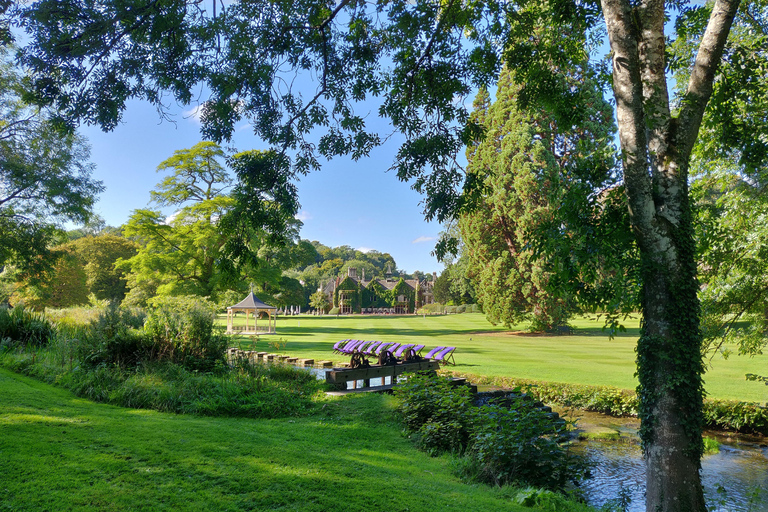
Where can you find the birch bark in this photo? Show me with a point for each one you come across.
(656, 147)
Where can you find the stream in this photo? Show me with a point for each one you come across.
(735, 479)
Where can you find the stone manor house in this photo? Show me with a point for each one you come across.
(353, 294)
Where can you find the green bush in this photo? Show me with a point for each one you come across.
(431, 309)
(113, 339)
(23, 327)
(182, 330)
(511, 441)
(71, 344)
(743, 417)
(438, 414)
(78, 315)
(334, 311)
(522, 444)
(228, 298)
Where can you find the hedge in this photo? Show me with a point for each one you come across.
(744, 417)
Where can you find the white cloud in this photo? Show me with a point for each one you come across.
(364, 250)
(422, 239)
(193, 114)
(303, 215)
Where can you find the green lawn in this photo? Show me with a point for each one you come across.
(586, 357)
(59, 452)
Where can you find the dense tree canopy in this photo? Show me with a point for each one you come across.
(45, 176)
(537, 179)
(732, 229)
(179, 252)
(83, 268)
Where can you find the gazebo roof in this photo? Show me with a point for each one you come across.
(251, 302)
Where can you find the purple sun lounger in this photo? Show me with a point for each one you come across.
(337, 346)
(445, 356)
(402, 349)
(432, 352)
(392, 347)
(351, 346)
(371, 349)
(364, 346)
(383, 346)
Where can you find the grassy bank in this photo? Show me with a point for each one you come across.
(59, 452)
(587, 356)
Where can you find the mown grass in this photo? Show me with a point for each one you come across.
(588, 356)
(60, 452)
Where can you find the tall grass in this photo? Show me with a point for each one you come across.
(250, 390)
(24, 327)
(177, 365)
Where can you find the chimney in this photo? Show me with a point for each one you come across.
(352, 272)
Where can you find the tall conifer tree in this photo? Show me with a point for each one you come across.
(528, 168)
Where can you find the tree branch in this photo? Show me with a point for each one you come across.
(703, 74)
(628, 91)
(654, 82)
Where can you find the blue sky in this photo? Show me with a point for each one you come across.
(358, 204)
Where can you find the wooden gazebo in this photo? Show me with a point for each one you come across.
(254, 308)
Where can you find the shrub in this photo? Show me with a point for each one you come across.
(334, 311)
(510, 441)
(22, 326)
(113, 339)
(431, 309)
(71, 343)
(182, 330)
(228, 298)
(80, 315)
(744, 417)
(436, 412)
(522, 444)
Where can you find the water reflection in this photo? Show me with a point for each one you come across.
(741, 473)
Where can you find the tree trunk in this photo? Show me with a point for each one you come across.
(656, 149)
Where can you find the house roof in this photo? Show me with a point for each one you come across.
(389, 285)
(251, 302)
